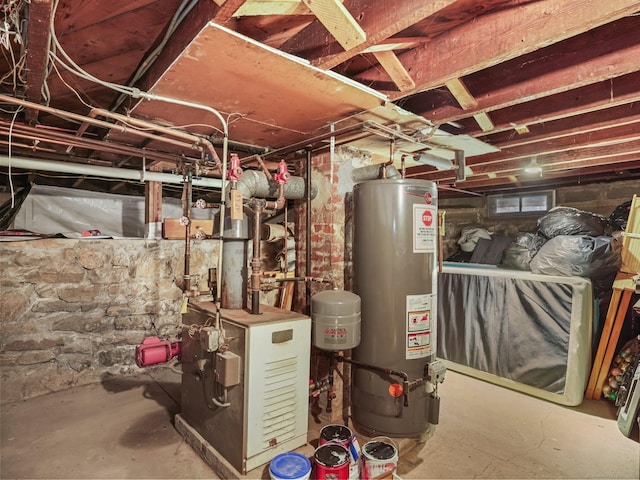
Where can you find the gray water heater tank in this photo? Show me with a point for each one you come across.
(335, 316)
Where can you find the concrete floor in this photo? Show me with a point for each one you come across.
(123, 428)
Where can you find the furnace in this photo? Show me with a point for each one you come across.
(248, 398)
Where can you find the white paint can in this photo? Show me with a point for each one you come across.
(379, 456)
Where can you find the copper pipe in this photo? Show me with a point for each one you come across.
(121, 128)
(286, 236)
(141, 133)
(263, 167)
(392, 151)
(169, 131)
(58, 138)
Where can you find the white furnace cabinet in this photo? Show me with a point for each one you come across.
(267, 412)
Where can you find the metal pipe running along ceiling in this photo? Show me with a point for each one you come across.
(108, 172)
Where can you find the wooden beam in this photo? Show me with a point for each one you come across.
(592, 98)
(153, 206)
(585, 157)
(338, 21)
(37, 53)
(575, 172)
(605, 119)
(396, 43)
(461, 93)
(485, 123)
(628, 135)
(605, 53)
(272, 7)
(395, 69)
(492, 39)
(380, 20)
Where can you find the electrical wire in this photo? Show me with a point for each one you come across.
(13, 120)
(52, 55)
(183, 9)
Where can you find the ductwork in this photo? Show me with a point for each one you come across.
(255, 183)
(373, 172)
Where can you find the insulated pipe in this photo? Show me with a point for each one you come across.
(253, 183)
(107, 172)
(373, 172)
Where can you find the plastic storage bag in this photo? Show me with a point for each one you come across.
(519, 254)
(571, 221)
(620, 215)
(597, 258)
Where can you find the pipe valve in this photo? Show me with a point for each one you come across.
(282, 176)
(235, 171)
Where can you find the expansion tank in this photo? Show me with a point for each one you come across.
(394, 254)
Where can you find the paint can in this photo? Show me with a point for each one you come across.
(343, 435)
(332, 462)
(290, 466)
(379, 456)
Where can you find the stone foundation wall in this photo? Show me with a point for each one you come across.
(72, 311)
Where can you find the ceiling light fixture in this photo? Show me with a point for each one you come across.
(533, 167)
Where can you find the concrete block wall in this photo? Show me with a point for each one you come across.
(72, 311)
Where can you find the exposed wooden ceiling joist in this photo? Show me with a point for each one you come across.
(580, 61)
(606, 119)
(338, 21)
(497, 37)
(37, 52)
(592, 98)
(558, 79)
(379, 21)
(271, 7)
(389, 61)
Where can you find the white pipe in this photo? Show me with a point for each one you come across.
(108, 172)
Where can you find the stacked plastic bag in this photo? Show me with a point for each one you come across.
(571, 242)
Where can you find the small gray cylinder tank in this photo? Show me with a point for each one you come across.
(394, 264)
(335, 316)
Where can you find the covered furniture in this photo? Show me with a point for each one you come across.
(521, 330)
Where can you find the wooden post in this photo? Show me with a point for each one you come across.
(153, 206)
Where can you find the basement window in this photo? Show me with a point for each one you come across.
(536, 203)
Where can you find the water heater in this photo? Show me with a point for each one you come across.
(395, 275)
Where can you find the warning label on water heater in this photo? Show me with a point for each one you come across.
(425, 228)
(418, 329)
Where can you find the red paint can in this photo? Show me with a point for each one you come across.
(332, 462)
(342, 435)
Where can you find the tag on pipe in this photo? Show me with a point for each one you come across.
(183, 307)
(235, 209)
